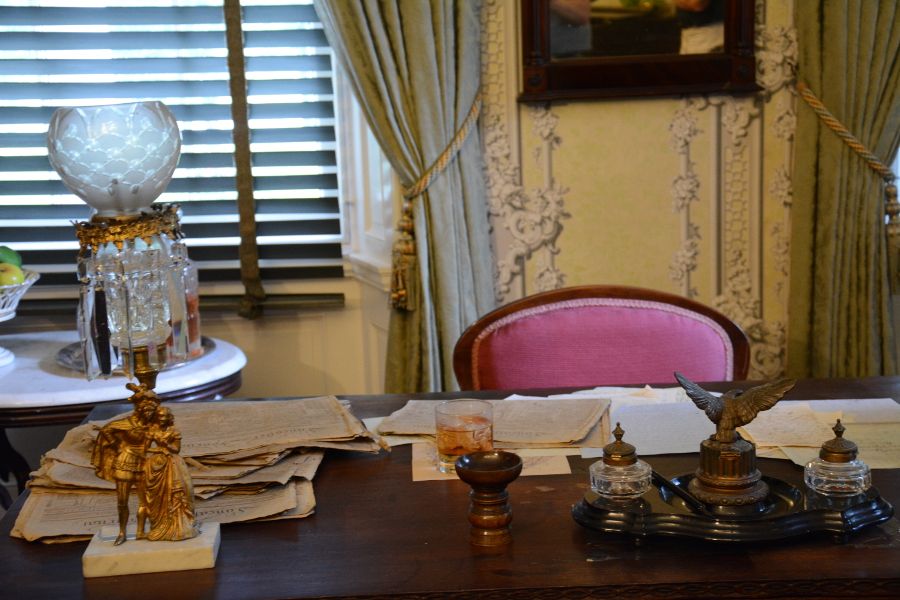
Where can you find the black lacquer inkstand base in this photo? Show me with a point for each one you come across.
(786, 511)
(727, 499)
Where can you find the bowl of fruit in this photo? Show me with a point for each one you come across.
(14, 282)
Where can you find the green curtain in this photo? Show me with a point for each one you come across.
(840, 322)
(415, 67)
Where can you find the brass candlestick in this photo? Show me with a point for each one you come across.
(489, 511)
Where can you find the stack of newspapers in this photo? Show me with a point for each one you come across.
(249, 460)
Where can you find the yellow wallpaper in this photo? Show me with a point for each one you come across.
(616, 161)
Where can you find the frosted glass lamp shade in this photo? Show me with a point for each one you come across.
(118, 158)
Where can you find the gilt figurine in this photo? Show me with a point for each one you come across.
(735, 407)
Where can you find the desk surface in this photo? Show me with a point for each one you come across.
(377, 534)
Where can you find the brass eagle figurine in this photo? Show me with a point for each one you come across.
(735, 407)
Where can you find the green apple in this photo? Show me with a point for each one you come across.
(11, 274)
(10, 256)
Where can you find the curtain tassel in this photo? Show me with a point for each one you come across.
(404, 270)
(892, 210)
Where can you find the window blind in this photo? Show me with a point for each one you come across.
(55, 53)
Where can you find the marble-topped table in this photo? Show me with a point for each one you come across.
(36, 390)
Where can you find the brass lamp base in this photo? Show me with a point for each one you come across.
(727, 475)
(140, 453)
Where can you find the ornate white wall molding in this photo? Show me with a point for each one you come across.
(546, 205)
(685, 191)
(739, 198)
(526, 224)
(777, 56)
(777, 72)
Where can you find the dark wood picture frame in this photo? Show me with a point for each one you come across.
(546, 78)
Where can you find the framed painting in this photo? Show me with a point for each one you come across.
(619, 48)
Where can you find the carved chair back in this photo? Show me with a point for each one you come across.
(599, 335)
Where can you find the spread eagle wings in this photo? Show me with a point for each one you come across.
(710, 404)
(762, 397)
(746, 404)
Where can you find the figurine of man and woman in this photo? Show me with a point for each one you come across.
(141, 452)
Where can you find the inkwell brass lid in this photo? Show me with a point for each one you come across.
(619, 453)
(838, 450)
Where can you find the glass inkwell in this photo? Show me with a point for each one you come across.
(620, 475)
(838, 471)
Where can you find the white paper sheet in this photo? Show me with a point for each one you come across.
(870, 410)
(878, 443)
(424, 464)
(667, 428)
(787, 424)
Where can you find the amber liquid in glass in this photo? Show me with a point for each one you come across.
(467, 434)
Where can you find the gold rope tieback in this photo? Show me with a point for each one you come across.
(449, 152)
(403, 259)
(891, 205)
(842, 132)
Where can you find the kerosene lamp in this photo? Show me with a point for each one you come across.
(132, 314)
(133, 317)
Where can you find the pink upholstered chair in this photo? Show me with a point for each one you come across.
(599, 335)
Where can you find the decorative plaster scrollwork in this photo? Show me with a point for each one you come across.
(738, 297)
(781, 187)
(777, 72)
(684, 127)
(777, 53)
(737, 114)
(786, 119)
(685, 191)
(781, 248)
(776, 57)
(782, 190)
(546, 206)
(545, 122)
(685, 261)
(549, 277)
(767, 340)
(530, 222)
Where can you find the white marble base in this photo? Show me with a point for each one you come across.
(102, 558)
(35, 379)
(6, 357)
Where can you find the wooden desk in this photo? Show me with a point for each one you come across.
(377, 534)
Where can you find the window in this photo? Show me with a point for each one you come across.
(63, 53)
